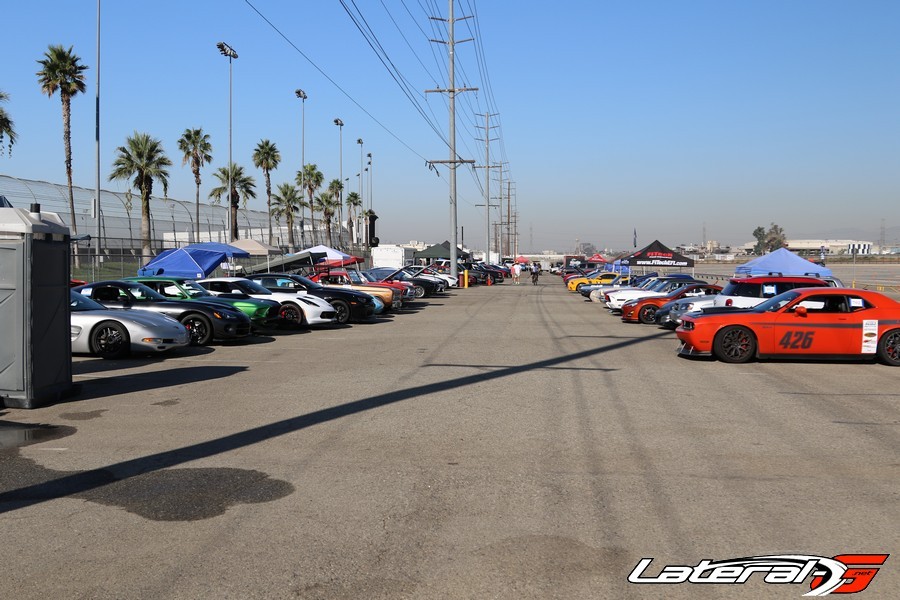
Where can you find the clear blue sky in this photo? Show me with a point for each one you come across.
(656, 115)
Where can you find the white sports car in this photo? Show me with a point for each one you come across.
(616, 298)
(297, 306)
(111, 333)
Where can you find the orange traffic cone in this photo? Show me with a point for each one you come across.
(489, 281)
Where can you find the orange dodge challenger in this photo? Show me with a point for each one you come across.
(800, 323)
(643, 310)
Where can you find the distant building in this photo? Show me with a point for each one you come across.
(830, 247)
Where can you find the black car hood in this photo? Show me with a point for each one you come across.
(712, 310)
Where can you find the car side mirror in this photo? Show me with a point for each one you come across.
(800, 311)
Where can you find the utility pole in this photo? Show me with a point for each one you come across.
(487, 185)
(509, 216)
(454, 159)
(499, 231)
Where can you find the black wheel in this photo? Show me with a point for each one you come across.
(647, 314)
(734, 345)
(292, 314)
(110, 340)
(199, 327)
(420, 291)
(342, 310)
(889, 348)
(577, 287)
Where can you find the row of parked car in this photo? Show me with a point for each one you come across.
(150, 314)
(753, 317)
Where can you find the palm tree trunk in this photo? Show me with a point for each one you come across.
(197, 214)
(67, 142)
(269, 202)
(290, 223)
(312, 219)
(146, 249)
(234, 212)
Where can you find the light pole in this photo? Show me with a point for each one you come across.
(228, 51)
(340, 125)
(302, 95)
(371, 174)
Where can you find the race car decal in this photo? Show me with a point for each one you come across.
(796, 340)
(869, 336)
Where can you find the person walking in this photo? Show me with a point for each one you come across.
(516, 271)
(535, 272)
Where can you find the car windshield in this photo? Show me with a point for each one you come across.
(657, 285)
(360, 277)
(676, 291)
(251, 287)
(79, 302)
(307, 283)
(194, 289)
(777, 302)
(142, 293)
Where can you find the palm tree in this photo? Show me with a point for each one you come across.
(196, 149)
(311, 178)
(242, 188)
(353, 202)
(266, 157)
(61, 70)
(334, 189)
(143, 158)
(326, 204)
(288, 200)
(7, 129)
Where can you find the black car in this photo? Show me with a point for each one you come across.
(204, 321)
(350, 305)
(429, 286)
(481, 273)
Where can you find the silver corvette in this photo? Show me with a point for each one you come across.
(114, 333)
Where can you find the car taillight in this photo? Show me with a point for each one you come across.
(728, 302)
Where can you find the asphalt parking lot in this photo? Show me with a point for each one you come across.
(501, 442)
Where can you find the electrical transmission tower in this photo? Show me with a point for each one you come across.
(454, 160)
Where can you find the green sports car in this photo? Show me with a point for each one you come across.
(262, 313)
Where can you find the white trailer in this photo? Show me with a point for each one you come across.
(392, 255)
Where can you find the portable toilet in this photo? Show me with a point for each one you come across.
(36, 348)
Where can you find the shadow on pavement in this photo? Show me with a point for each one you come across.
(85, 481)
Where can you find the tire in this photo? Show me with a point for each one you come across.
(577, 287)
(342, 311)
(420, 291)
(292, 313)
(109, 339)
(734, 344)
(199, 327)
(647, 314)
(889, 348)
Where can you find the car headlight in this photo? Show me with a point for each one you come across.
(224, 315)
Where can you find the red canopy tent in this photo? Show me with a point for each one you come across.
(325, 265)
(521, 259)
(596, 259)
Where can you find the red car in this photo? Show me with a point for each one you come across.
(802, 323)
(643, 310)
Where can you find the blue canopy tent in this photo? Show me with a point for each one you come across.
(195, 261)
(782, 261)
